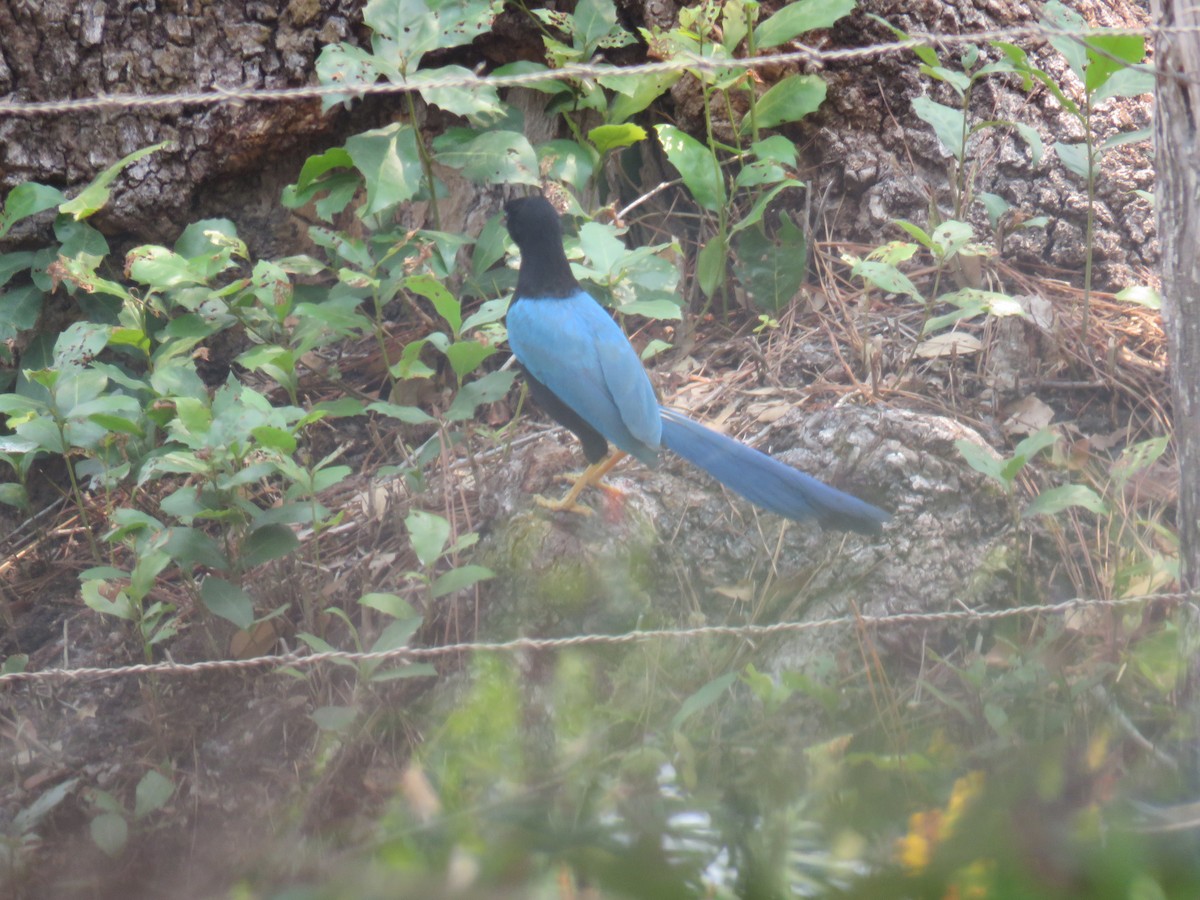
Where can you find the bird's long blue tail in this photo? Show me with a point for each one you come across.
(764, 481)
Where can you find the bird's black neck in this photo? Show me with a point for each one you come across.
(545, 272)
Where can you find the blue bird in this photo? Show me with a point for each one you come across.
(584, 372)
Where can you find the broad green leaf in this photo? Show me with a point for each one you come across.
(336, 719)
(396, 634)
(443, 301)
(429, 534)
(95, 598)
(776, 149)
(593, 20)
(984, 461)
(160, 268)
(457, 579)
(790, 100)
(1074, 157)
(110, 833)
(189, 546)
(886, 277)
(465, 356)
(1143, 295)
(797, 18)
(1056, 15)
(1033, 139)
(770, 268)
(410, 415)
(267, 543)
(392, 604)
(390, 164)
(96, 194)
(947, 123)
(635, 93)
(703, 698)
(700, 170)
(1108, 54)
(652, 309)
(19, 310)
(711, 263)
(1055, 500)
(228, 601)
(152, 793)
(25, 200)
(492, 157)
(613, 137)
(487, 389)
(478, 103)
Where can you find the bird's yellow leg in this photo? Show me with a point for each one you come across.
(590, 477)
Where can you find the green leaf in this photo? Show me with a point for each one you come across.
(886, 277)
(190, 546)
(390, 163)
(703, 698)
(947, 124)
(228, 601)
(110, 833)
(1056, 15)
(443, 301)
(460, 578)
(429, 534)
(984, 461)
(25, 200)
(121, 606)
(19, 310)
(771, 269)
(465, 356)
(397, 634)
(391, 604)
(488, 313)
(267, 543)
(652, 309)
(493, 157)
(1108, 54)
(635, 93)
(710, 265)
(336, 719)
(160, 268)
(152, 793)
(797, 18)
(613, 137)
(1055, 500)
(790, 100)
(410, 415)
(478, 102)
(96, 194)
(1030, 135)
(487, 389)
(696, 165)
(1142, 295)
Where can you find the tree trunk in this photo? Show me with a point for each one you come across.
(1177, 152)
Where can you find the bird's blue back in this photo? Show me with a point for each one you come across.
(573, 347)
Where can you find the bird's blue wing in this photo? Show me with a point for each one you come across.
(573, 347)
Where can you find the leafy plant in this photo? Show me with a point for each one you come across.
(110, 825)
(1106, 65)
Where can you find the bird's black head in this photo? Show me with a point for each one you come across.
(532, 220)
(536, 228)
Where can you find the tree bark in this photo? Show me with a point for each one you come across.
(1177, 153)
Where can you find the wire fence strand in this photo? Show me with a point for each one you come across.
(810, 56)
(522, 645)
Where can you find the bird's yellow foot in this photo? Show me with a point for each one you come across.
(593, 475)
(566, 504)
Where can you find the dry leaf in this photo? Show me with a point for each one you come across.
(1027, 416)
(953, 343)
